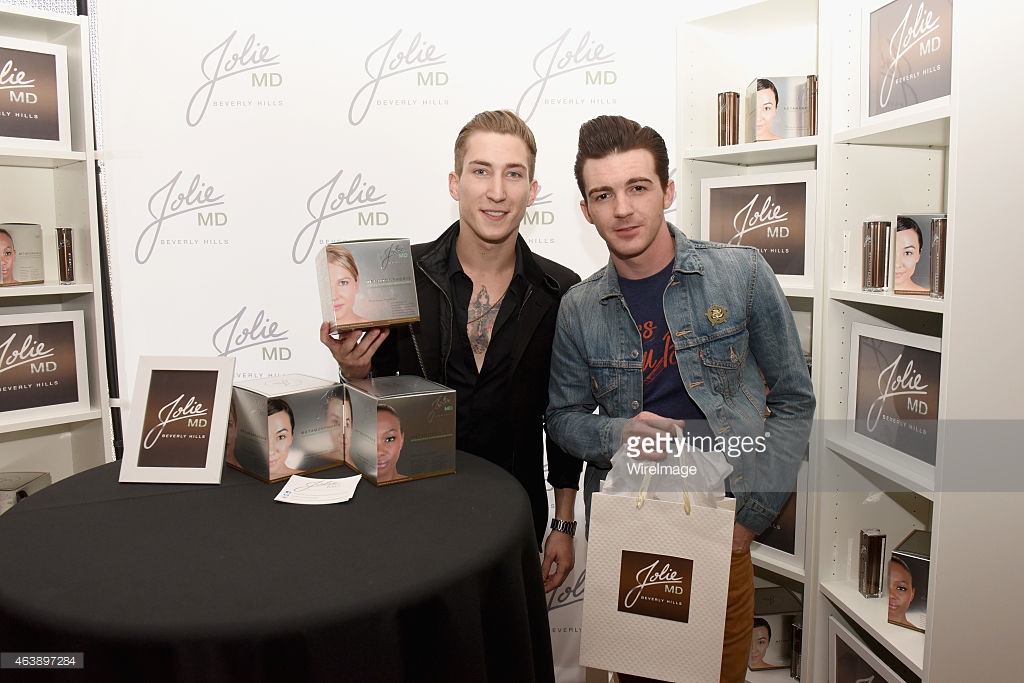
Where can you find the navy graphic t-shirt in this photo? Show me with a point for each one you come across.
(664, 392)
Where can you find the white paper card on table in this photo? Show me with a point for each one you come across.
(312, 491)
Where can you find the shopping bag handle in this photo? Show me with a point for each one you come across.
(641, 496)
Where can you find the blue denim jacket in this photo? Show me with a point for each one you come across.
(598, 353)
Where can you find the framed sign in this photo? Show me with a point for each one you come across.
(784, 537)
(177, 425)
(894, 394)
(909, 54)
(773, 213)
(34, 107)
(43, 366)
(850, 661)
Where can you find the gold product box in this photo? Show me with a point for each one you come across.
(280, 426)
(17, 485)
(21, 254)
(908, 581)
(367, 283)
(403, 428)
(777, 107)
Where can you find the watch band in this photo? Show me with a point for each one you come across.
(564, 526)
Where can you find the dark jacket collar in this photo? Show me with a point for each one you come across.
(434, 260)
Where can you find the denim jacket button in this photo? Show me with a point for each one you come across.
(634, 353)
(635, 404)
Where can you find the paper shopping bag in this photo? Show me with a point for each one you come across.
(657, 585)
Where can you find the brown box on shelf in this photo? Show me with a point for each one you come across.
(280, 426)
(367, 283)
(403, 428)
(908, 581)
(17, 485)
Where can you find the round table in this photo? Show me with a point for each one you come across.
(433, 579)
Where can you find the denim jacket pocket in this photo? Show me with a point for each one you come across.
(723, 358)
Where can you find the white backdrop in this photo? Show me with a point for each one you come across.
(237, 138)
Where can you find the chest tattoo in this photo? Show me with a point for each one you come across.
(481, 316)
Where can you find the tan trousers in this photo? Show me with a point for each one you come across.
(739, 623)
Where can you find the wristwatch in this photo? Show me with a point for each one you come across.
(564, 526)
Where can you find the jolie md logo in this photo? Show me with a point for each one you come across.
(168, 202)
(241, 332)
(176, 411)
(222, 63)
(769, 216)
(17, 83)
(564, 56)
(653, 575)
(393, 58)
(334, 198)
(31, 352)
(892, 383)
(908, 35)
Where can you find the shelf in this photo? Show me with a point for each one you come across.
(44, 290)
(924, 125)
(34, 158)
(914, 302)
(769, 676)
(917, 482)
(800, 292)
(872, 614)
(776, 561)
(759, 153)
(53, 418)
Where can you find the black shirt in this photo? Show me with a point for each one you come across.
(480, 420)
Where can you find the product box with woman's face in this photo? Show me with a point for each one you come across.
(776, 609)
(908, 581)
(777, 107)
(21, 254)
(367, 283)
(911, 253)
(403, 428)
(280, 426)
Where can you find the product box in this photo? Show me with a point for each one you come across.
(911, 252)
(776, 610)
(280, 426)
(908, 581)
(777, 107)
(367, 283)
(403, 427)
(21, 254)
(17, 485)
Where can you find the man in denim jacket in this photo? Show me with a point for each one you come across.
(678, 332)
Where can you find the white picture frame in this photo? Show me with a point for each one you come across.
(773, 212)
(44, 371)
(178, 439)
(35, 111)
(919, 71)
(788, 530)
(850, 660)
(894, 396)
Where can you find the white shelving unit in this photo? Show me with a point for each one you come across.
(957, 155)
(52, 189)
(726, 52)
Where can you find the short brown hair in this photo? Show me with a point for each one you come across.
(605, 135)
(498, 121)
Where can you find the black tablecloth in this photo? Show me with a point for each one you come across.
(435, 579)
